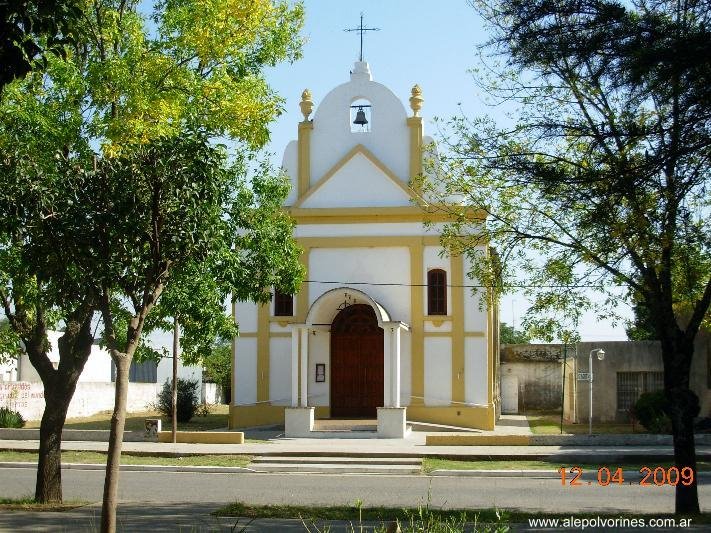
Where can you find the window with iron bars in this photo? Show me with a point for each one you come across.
(631, 385)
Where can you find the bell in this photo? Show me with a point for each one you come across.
(360, 117)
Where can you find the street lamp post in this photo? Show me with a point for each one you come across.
(600, 357)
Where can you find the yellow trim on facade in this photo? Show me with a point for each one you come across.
(475, 417)
(438, 334)
(477, 440)
(304, 157)
(242, 416)
(415, 125)
(417, 345)
(458, 370)
(367, 242)
(363, 215)
(263, 353)
(357, 149)
(475, 334)
(203, 437)
(302, 300)
(279, 334)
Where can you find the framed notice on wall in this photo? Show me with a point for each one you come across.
(320, 372)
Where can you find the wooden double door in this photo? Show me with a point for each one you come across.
(356, 363)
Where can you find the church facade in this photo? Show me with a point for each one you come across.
(386, 325)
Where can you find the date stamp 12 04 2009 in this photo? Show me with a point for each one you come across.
(649, 476)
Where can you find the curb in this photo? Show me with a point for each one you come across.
(144, 468)
(540, 474)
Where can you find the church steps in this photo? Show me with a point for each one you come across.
(337, 465)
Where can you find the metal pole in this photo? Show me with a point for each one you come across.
(591, 387)
(174, 399)
(562, 396)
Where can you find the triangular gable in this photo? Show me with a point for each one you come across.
(358, 180)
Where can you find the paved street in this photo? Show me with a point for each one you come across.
(396, 491)
(158, 501)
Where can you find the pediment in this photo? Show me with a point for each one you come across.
(358, 180)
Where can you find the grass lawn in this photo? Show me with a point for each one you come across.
(543, 423)
(100, 458)
(434, 463)
(29, 504)
(433, 518)
(217, 419)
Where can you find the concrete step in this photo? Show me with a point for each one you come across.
(337, 465)
(336, 468)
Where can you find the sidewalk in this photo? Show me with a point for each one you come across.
(413, 446)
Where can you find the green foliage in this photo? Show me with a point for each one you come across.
(218, 366)
(187, 402)
(651, 410)
(509, 335)
(599, 181)
(9, 341)
(32, 29)
(10, 418)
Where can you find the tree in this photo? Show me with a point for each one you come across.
(601, 181)
(509, 335)
(132, 91)
(190, 208)
(29, 30)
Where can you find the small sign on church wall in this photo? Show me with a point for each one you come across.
(320, 372)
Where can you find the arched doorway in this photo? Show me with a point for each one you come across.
(356, 363)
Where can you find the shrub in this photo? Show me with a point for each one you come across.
(650, 410)
(187, 399)
(10, 418)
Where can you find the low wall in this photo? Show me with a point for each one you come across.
(90, 398)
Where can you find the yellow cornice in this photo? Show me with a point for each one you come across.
(357, 149)
(350, 215)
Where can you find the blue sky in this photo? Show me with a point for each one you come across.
(433, 44)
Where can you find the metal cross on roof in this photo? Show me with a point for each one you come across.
(361, 29)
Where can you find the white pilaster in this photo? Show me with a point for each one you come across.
(387, 367)
(294, 366)
(304, 366)
(395, 387)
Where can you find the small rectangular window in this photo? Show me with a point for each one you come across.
(283, 304)
(436, 292)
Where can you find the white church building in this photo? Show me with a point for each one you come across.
(386, 325)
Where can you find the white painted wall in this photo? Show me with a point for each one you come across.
(365, 265)
(359, 183)
(245, 371)
(331, 137)
(89, 398)
(319, 352)
(405, 367)
(289, 164)
(438, 370)
(246, 316)
(280, 370)
(380, 229)
(474, 313)
(475, 370)
(8, 370)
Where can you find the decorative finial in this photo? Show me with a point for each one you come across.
(416, 100)
(307, 105)
(361, 29)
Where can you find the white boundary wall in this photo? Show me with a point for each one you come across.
(90, 398)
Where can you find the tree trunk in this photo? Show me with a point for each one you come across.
(59, 387)
(113, 462)
(49, 466)
(683, 407)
